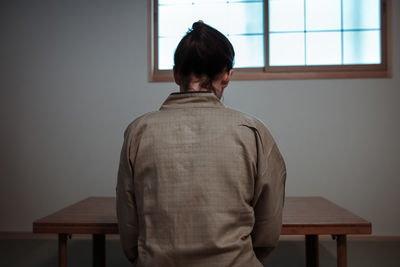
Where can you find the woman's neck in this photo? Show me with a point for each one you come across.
(197, 84)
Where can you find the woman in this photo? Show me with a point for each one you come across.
(199, 184)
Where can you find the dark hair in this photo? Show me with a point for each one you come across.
(203, 52)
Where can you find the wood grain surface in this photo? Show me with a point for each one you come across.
(301, 216)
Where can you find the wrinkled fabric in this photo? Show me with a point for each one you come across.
(199, 185)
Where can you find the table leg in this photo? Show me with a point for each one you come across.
(62, 250)
(341, 243)
(312, 255)
(99, 250)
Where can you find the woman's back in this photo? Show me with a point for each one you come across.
(199, 184)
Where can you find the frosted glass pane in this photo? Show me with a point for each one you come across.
(166, 50)
(211, 14)
(172, 24)
(249, 51)
(323, 48)
(241, 21)
(361, 14)
(223, 1)
(207, 1)
(362, 47)
(323, 15)
(286, 49)
(173, 2)
(245, 18)
(286, 15)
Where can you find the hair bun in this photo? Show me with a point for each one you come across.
(198, 25)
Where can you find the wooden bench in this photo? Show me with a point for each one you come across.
(308, 216)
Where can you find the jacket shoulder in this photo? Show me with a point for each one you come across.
(257, 126)
(138, 123)
(249, 120)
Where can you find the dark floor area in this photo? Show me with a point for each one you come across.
(43, 252)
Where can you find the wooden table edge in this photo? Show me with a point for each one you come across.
(328, 229)
(49, 228)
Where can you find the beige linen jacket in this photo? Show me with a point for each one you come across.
(199, 185)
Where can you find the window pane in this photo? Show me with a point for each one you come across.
(172, 24)
(286, 49)
(173, 2)
(166, 50)
(245, 18)
(240, 20)
(361, 14)
(207, 1)
(323, 48)
(361, 47)
(211, 14)
(323, 15)
(286, 15)
(250, 50)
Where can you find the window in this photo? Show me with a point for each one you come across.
(279, 39)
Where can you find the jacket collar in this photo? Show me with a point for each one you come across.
(200, 99)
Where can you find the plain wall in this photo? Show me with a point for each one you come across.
(73, 75)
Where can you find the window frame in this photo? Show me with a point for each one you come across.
(382, 70)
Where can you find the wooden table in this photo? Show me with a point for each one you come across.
(308, 216)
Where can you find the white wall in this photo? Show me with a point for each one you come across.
(73, 74)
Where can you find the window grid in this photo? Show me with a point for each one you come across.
(341, 27)
(241, 32)
(341, 30)
(382, 70)
(305, 27)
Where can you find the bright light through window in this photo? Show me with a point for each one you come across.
(241, 21)
(324, 32)
(280, 39)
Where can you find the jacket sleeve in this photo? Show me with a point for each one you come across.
(269, 195)
(125, 202)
